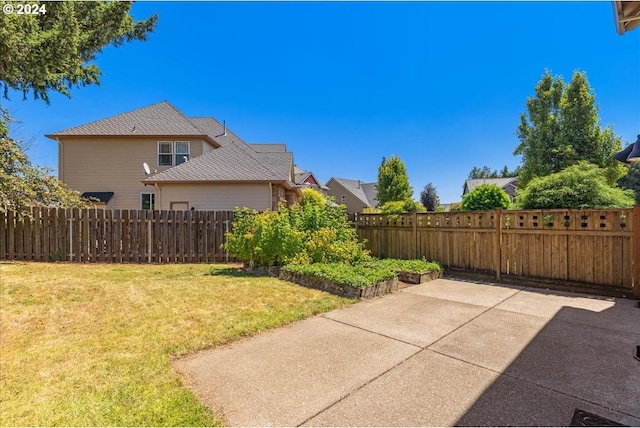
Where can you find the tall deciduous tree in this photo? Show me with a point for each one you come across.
(393, 181)
(52, 50)
(561, 128)
(429, 197)
(24, 185)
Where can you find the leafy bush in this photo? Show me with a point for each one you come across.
(263, 239)
(312, 231)
(456, 206)
(398, 265)
(356, 276)
(406, 206)
(579, 186)
(485, 197)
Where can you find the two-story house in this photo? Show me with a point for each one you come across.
(157, 158)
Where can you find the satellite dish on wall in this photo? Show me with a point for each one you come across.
(147, 171)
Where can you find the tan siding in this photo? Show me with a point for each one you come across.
(94, 164)
(215, 197)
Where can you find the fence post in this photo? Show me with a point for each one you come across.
(497, 245)
(415, 235)
(636, 251)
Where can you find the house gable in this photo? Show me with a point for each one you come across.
(356, 194)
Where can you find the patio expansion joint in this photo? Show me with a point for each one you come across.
(373, 379)
(419, 349)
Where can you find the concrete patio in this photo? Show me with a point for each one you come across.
(444, 353)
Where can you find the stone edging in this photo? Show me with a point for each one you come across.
(343, 290)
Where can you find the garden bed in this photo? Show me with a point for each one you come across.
(342, 279)
(414, 271)
(418, 278)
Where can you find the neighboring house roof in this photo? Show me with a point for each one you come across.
(366, 192)
(508, 184)
(160, 119)
(307, 178)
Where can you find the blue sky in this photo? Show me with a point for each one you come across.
(342, 84)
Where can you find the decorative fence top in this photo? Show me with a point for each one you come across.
(610, 220)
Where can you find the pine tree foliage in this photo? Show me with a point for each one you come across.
(53, 51)
(579, 186)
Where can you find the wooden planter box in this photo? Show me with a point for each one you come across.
(418, 278)
(340, 289)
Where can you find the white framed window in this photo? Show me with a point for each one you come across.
(172, 153)
(165, 153)
(148, 201)
(182, 152)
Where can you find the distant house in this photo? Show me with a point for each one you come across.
(355, 194)
(306, 179)
(508, 184)
(193, 163)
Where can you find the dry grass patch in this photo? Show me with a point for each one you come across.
(90, 345)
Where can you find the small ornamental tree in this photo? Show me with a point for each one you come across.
(485, 197)
(393, 181)
(579, 186)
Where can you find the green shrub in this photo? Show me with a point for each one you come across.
(579, 186)
(263, 239)
(313, 231)
(485, 197)
(398, 207)
(355, 276)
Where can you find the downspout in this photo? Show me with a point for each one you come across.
(270, 196)
(60, 159)
(159, 196)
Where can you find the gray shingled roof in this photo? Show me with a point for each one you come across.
(154, 120)
(366, 192)
(263, 148)
(235, 160)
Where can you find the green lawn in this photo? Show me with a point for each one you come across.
(91, 345)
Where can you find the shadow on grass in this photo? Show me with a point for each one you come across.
(229, 271)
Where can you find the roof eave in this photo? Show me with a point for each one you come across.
(207, 138)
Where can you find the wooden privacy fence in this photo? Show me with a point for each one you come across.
(593, 247)
(115, 236)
